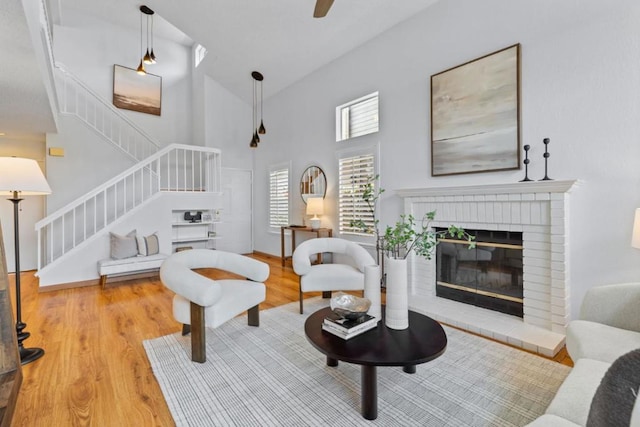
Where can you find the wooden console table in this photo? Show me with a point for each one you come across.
(318, 232)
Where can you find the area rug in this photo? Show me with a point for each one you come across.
(271, 376)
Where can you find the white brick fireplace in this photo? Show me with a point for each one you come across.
(537, 209)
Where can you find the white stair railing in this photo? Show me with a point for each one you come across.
(76, 98)
(184, 168)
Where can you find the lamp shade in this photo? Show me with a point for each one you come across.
(315, 206)
(22, 175)
(635, 239)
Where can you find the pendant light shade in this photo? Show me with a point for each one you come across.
(257, 130)
(140, 70)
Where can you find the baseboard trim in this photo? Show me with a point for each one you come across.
(96, 282)
(70, 285)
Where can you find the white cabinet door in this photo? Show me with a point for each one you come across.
(235, 230)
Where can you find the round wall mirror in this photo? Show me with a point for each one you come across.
(313, 183)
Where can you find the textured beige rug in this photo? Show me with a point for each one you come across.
(271, 376)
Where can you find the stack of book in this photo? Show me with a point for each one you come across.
(345, 328)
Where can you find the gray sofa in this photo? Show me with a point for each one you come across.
(608, 328)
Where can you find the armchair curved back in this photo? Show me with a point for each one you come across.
(304, 251)
(176, 273)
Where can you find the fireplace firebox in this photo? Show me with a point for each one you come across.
(488, 276)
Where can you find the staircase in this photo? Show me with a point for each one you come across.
(67, 239)
(176, 168)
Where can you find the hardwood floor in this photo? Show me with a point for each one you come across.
(95, 371)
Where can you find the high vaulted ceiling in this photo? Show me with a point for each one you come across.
(279, 38)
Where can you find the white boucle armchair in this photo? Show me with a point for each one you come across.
(202, 302)
(330, 277)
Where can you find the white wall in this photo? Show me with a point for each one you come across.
(89, 160)
(580, 80)
(228, 125)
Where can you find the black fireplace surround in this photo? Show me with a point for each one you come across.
(488, 276)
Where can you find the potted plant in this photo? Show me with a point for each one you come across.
(396, 244)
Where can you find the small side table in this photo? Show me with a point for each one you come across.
(318, 232)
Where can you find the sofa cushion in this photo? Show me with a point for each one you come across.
(148, 245)
(123, 246)
(108, 267)
(597, 341)
(573, 399)
(335, 277)
(614, 400)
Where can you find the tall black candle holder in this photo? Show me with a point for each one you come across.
(546, 159)
(526, 163)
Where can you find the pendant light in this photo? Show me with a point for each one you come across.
(140, 70)
(152, 55)
(254, 137)
(261, 130)
(147, 58)
(257, 80)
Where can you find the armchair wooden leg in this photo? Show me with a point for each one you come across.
(254, 315)
(198, 337)
(186, 329)
(300, 296)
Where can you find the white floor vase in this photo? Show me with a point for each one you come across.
(397, 307)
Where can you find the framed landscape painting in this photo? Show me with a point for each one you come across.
(475, 115)
(132, 91)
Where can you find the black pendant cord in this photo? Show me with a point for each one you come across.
(27, 355)
(546, 156)
(526, 163)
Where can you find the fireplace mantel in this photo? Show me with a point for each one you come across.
(530, 187)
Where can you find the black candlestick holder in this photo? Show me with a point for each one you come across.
(546, 156)
(526, 163)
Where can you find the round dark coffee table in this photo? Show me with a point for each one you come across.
(423, 341)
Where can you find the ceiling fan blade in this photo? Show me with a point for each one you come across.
(322, 7)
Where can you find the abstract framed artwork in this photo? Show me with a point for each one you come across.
(132, 91)
(475, 115)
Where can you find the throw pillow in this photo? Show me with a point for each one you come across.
(617, 393)
(123, 246)
(148, 245)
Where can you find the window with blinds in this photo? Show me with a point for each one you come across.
(354, 174)
(357, 118)
(279, 196)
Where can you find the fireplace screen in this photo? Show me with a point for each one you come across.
(488, 276)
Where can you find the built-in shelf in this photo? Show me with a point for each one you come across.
(196, 232)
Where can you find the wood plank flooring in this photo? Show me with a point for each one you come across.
(95, 371)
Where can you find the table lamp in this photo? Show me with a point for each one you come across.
(635, 238)
(315, 207)
(21, 177)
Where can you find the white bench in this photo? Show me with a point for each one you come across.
(128, 266)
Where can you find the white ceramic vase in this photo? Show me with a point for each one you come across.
(397, 307)
(372, 289)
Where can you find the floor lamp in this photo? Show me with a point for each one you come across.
(21, 177)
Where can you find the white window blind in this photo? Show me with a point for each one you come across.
(358, 117)
(354, 174)
(279, 197)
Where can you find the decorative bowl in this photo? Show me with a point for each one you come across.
(349, 306)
